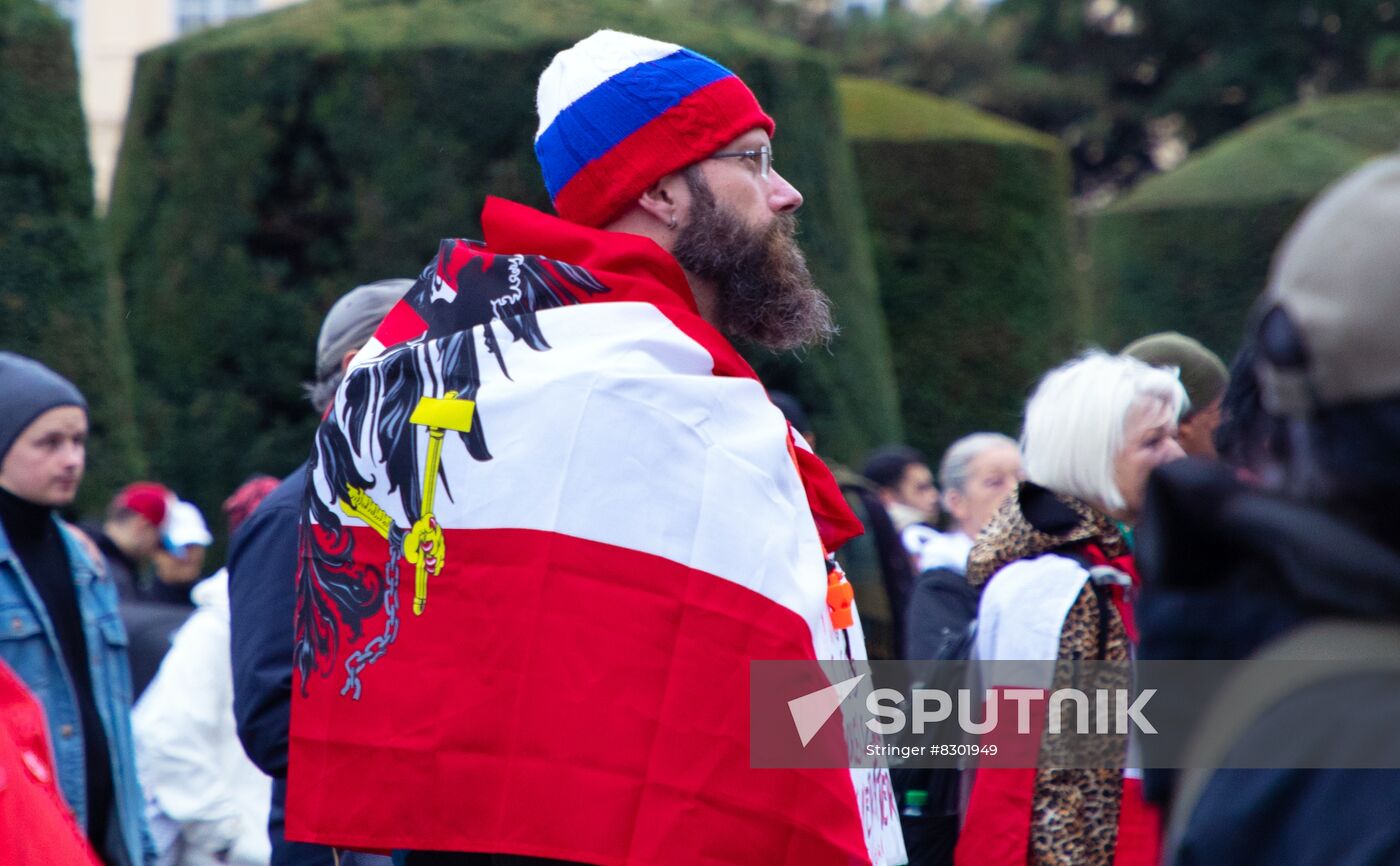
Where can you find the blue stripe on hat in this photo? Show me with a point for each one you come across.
(604, 117)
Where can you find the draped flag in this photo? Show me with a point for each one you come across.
(551, 518)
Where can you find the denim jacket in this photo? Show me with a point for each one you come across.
(30, 647)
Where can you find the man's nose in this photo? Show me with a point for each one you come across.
(783, 197)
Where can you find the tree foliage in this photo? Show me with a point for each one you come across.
(56, 303)
(1198, 70)
(1129, 86)
(969, 217)
(1190, 250)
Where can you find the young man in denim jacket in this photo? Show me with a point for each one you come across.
(59, 627)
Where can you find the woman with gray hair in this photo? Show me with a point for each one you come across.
(1094, 430)
(977, 473)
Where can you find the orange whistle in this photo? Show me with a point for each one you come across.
(839, 596)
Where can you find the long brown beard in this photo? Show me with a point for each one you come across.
(763, 289)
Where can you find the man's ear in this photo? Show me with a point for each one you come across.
(666, 199)
(346, 359)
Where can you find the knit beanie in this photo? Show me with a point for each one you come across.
(618, 112)
(28, 389)
(1201, 371)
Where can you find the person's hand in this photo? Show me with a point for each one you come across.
(425, 542)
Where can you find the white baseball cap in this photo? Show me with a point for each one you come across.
(185, 525)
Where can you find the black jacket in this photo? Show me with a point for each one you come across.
(1227, 569)
(262, 567)
(940, 608)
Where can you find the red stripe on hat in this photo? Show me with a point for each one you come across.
(694, 128)
(401, 325)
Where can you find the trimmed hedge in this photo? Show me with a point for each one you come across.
(1189, 250)
(271, 164)
(55, 301)
(970, 219)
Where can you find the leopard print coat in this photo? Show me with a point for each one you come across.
(1074, 816)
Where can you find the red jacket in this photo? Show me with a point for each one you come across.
(36, 827)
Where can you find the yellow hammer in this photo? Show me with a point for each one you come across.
(438, 415)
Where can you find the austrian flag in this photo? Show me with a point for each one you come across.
(551, 518)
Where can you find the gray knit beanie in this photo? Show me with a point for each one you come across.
(28, 389)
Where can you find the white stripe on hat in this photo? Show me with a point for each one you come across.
(576, 71)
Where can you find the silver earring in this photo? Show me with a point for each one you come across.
(672, 223)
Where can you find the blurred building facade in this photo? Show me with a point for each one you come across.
(107, 37)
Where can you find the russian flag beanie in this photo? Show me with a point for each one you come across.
(618, 112)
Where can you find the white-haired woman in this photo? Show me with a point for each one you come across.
(1094, 430)
(978, 472)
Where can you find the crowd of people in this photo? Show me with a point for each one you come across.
(152, 767)
(645, 518)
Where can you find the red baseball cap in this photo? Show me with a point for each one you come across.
(146, 498)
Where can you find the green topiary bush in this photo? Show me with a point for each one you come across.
(55, 301)
(969, 216)
(1189, 250)
(271, 164)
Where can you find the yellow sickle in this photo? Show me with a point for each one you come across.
(360, 506)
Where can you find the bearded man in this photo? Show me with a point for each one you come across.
(552, 515)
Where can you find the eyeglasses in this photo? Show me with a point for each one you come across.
(762, 157)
